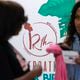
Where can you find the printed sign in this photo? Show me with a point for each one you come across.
(49, 20)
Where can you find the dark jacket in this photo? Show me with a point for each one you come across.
(9, 65)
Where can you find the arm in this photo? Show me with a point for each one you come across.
(32, 74)
(64, 46)
(6, 72)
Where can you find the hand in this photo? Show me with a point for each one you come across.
(35, 72)
(77, 60)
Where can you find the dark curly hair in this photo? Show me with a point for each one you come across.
(11, 19)
(71, 27)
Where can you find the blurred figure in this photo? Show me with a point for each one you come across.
(72, 42)
(13, 65)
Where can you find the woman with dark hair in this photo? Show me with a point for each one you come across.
(11, 19)
(72, 42)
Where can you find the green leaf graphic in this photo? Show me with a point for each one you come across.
(59, 8)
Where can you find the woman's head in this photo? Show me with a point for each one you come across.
(11, 19)
(74, 25)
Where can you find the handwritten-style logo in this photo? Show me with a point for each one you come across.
(37, 37)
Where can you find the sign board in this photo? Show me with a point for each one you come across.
(49, 19)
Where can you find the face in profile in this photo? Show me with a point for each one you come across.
(77, 20)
